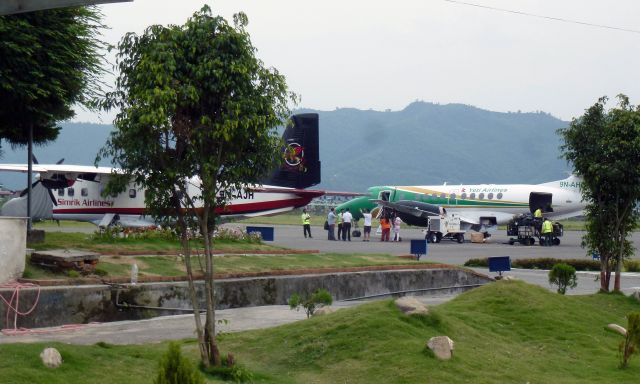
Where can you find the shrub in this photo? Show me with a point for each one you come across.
(175, 369)
(310, 303)
(632, 265)
(563, 275)
(230, 370)
(631, 343)
(100, 272)
(480, 263)
(73, 273)
(541, 263)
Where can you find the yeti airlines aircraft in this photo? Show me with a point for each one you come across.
(480, 207)
(73, 192)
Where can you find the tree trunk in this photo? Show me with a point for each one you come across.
(604, 273)
(210, 325)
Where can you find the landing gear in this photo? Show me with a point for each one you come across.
(460, 238)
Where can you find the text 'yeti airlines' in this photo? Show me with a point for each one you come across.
(480, 207)
(73, 192)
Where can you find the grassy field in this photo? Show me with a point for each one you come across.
(174, 266)
(508, 332)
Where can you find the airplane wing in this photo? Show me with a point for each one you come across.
(66, 169)
(414, 209)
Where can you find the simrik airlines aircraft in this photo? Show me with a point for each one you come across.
(73, 192)
(480, 207)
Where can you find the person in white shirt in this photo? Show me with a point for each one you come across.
(396, 228)
(346, 225)
(367, 225)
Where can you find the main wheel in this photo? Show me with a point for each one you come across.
(432, 237)
(532, 241)
(460, 238)
(511, 242)
(556, 241)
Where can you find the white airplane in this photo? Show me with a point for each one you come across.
(480, 207)
(73, 192)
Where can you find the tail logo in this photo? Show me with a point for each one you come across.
(294, 156)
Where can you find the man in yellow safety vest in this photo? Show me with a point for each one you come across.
(547, 232)
(306, 223)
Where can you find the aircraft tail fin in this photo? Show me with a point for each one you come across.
(301, 166)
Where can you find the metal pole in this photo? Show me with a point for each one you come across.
(29, 176)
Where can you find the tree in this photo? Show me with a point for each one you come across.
(49, 61)
(631, 342)
(604, 148)
(310, 303)
(564, 276)
(197, 124)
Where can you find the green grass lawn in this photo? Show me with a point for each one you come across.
(174, 266)
(507, 332)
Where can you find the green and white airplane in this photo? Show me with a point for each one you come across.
(480, 207)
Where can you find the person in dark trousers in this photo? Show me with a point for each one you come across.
(339, 221)
(547, 232)
(306, 223)
(331, 221)
(346, 225)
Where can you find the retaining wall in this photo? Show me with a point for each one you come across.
(13, 244)
(101, 303)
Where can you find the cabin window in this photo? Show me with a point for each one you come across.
(463, 196)
(443, 196)
(84, 192)
(61, 192)
(473, 195)
(433, 195)
(132, 193)
(490, 196)
(481, 197)
(499, 195)
(70, 192)
(452, 196)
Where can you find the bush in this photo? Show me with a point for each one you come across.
(631, 343)
(632, 265)
(563, 276)
(318, 299)
(541, 263)
(175, 369)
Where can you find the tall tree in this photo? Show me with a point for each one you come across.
(49, 61)
(604, 148)
(197, 121)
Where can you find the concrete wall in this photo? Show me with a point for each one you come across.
(82, 304)
(13, 243)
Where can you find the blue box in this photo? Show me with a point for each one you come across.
(418, 248)
(265, 232)
(499, 263)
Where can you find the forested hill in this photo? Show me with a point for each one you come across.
(422, 144)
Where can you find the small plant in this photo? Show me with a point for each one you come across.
(563, 275)
(310, 303)
(631, 343)
(27, 274)
(100, 272)
(73, 274)
(175, 369)
(231, 370)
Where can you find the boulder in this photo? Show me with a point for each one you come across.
(51, 357)
(324, 310)
(617, 328)
(411, 306)
(636, 295)
(442, 347)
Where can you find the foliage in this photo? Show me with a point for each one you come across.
(632, 265)
(197, 125)
(49, 61)
(604, 148)
(117, 233)
(310, 303)
(545, 263)
(175, 369)
(563, 276)
(231, 370)
(631, 343)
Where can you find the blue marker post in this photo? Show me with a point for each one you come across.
(499, 264)
(418, 248)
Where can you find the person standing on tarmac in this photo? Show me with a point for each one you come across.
(306, 223)
(537, 220)
(331, 221)
(547, 232)
(396, 228)
(385, 224)
(367, 225)
(346, 225)
(339, 220)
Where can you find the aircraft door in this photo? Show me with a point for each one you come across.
(540, 200)
(385, 196)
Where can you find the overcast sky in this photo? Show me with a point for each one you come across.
(386, 54)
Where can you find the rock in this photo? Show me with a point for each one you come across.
(411, 306)
(509, 278)
(617, 328)
(636, 295)
(324, 311)
(442, 347)
(51, 357)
